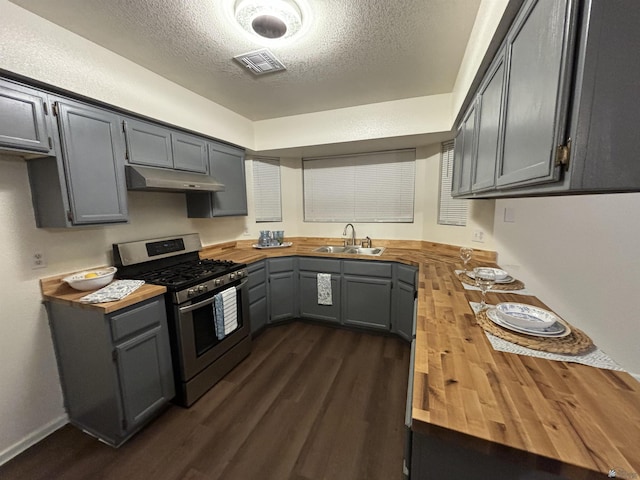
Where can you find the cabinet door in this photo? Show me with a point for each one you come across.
(367, 302)
(457, 161)
(463, 164)
(282, 296)
(148, 144)
(145, 374)
(189, 152)
(489, 124)
(259, 314)
(403, 315)
(226, 164)
(539, 60)
(309, 307)
(23, 123)
(93, 152)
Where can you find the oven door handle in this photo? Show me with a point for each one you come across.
(208, 301)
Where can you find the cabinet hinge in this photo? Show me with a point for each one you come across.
(55, 109)
(114, 355)
(50, 143)
(563, 152)
(46, 108)
(69, 215)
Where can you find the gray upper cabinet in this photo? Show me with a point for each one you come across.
(226, 164)
(189, 152)
(464, 157)
(488, 128)
(148, 144)
(157, 146)
(569, 96)
(23, 119)
(85, 183)
(539, 66)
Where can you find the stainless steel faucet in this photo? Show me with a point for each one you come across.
(353, 234)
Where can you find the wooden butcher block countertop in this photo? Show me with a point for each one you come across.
(55, 290)
(565, 418)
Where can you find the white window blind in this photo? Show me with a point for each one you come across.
(451, 211)
(266, 190)
(372, 187)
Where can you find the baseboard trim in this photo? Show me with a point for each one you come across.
(32, 438)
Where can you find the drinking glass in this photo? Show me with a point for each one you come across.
(485, 279)
(465, 254)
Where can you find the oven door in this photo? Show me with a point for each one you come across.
(197, 341)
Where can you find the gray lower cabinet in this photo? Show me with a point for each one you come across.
(366, 294)
(85, 183)
(283, 283)
(258, 304)
(24, 124)
(115, 369)
(308, 289)
(404, 299)
(226, 164)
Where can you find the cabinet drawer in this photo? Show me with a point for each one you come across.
(369, 269)
(323, 265)
(257, 277)
(281, 264)
(252, 267)
(138, 318)
(407, 274)
(257, 293)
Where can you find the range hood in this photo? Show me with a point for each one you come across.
(159, 179)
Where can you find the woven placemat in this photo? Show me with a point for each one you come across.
(515, 285)
(576, 343)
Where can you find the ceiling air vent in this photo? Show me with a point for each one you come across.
(260, 62)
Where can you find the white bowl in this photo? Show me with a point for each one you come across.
(526, 316)
(87, 281)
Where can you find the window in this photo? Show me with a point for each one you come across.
(266, 190)
(451, 211)
(372, 187)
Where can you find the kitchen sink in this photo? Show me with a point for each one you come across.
(350, 250)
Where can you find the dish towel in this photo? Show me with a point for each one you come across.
(218, 315)
(324, 289)
(116, 290)
(230, 310)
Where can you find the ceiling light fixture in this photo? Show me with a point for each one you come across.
(269, 19)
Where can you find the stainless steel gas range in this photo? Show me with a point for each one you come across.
(207, 307)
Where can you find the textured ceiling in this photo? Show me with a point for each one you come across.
(356, 51)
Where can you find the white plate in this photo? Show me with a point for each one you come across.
(526, 316)
(284, 244)
(557, 330)
(507, 279)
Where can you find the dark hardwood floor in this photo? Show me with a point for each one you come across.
(310, 403)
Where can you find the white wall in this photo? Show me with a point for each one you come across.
(579, 254)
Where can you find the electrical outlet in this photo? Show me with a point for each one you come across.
(246, 233)
(38, 260)
(478, 236)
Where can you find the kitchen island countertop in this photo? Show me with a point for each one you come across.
(569, 419)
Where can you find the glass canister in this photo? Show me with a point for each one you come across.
(265, 238)
(278, 236)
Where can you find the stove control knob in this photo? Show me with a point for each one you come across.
(200, 289)
(217, 282)
(191, 292)
(205, 288)
(240, 274)
(232, 276)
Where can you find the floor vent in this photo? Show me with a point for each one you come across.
(260, 62)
